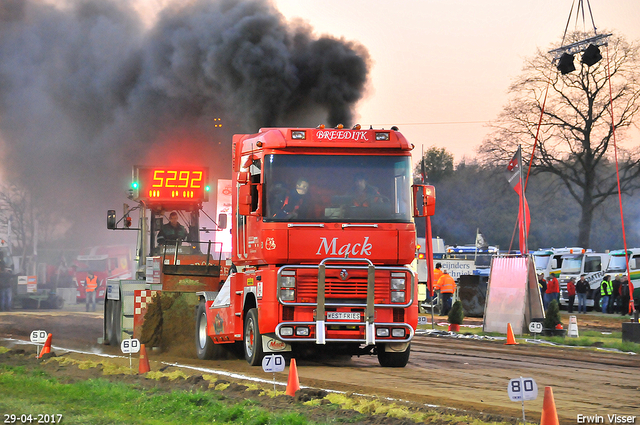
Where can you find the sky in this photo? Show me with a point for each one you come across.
(442, 68)
(87, 89)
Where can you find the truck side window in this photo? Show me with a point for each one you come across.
(592, 264)
(255, 171)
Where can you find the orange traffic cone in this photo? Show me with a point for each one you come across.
(549, 413)
(144, 361)
(47, 346)
(511, 340)
(293, 384)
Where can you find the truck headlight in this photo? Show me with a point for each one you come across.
(397, 297)
(287, 294)
(398, 284)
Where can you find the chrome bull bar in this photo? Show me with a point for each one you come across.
(321, 304)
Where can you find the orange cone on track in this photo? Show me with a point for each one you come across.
(144, 361)
(293, 384)
(46, 349)
(549, 413)
(511, 340)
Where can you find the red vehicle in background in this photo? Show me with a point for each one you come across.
(106, 262)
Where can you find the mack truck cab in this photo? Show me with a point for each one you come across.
(323, 235)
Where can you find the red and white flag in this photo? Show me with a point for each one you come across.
(514, 175)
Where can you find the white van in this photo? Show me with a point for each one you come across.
(591, 264)
(549, 260)
(617, 264)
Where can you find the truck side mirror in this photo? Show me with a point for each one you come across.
(222, 221)
(424, 200)
(111, 219)
(249, 199)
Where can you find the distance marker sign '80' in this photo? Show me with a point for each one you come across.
(522, 389)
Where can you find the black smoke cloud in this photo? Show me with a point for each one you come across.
(87, 91)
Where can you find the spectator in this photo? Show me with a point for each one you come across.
(553, 291)
(542, 284)
(582, 288)
(624, 296)
(91, 287)
(437, 273)
(447, 288)
(6, 288)
(614, 300)
(606, 288)
(571, 293)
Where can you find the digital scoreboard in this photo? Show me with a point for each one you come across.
(173, 184)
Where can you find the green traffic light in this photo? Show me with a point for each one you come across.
(134, 185)
(207, 188)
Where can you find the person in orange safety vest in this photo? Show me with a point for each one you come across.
(91, 287)
(447, 288)
(436, 276)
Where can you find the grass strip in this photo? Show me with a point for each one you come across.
(99, 401)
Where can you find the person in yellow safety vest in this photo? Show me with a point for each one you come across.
(606, 289)
(447, 288)
(91, 287)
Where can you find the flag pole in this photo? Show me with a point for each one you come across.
(522, 201)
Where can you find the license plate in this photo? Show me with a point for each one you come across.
(337, 315)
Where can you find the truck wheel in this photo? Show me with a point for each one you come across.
(204, 344)
(252, 339)
(59, 303)
(392, 358)
(115, 331)
(108, 321)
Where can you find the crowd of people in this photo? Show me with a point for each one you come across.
(613, 294)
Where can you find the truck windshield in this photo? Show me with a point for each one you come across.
(336, 188)
(541, 261)
(93, 266)
(617, 263)
(571, 265)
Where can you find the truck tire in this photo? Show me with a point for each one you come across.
(252, 339)
(204, 344)
(115, 332)
(393, 359)
(59, 303)
(108, 321)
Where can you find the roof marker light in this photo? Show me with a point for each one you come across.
(298, 134)
(382, 136)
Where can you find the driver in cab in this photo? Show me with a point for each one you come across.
(172, 231)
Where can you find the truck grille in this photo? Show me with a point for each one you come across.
(354, 287)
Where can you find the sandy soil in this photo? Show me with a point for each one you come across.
(463, 374)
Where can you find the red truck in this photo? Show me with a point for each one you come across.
(106, 262)
(322, 235)
(325, 269)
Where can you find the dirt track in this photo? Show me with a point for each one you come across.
(462, 374)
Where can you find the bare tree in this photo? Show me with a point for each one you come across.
(575, 139)
(31, 224)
